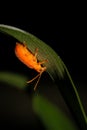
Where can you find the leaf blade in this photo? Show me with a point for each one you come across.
(18, 81)
(51, 116)
(56, 69)
(45, 52)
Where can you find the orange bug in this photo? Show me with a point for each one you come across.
(30, 60)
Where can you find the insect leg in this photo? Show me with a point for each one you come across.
(36, 52)
(24, 43)
(37, 81)
(41, 62)
(33, 78)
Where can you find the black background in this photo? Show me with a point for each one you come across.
(62, 26)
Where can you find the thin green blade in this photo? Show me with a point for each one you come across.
(56, 69)
(45, 52)
(50, 115)
(13, 79)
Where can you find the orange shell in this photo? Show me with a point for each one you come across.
(28, 58)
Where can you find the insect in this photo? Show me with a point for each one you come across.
(30, 60)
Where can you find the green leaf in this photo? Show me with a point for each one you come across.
(12, 79)
(50, 115)
(45, 52)
(56, 69)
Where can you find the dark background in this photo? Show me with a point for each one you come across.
(64, 30)
(62, 26)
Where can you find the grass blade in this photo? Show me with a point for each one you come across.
(12, 79)
(45, 52)
(50, 115)
(56, 69)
